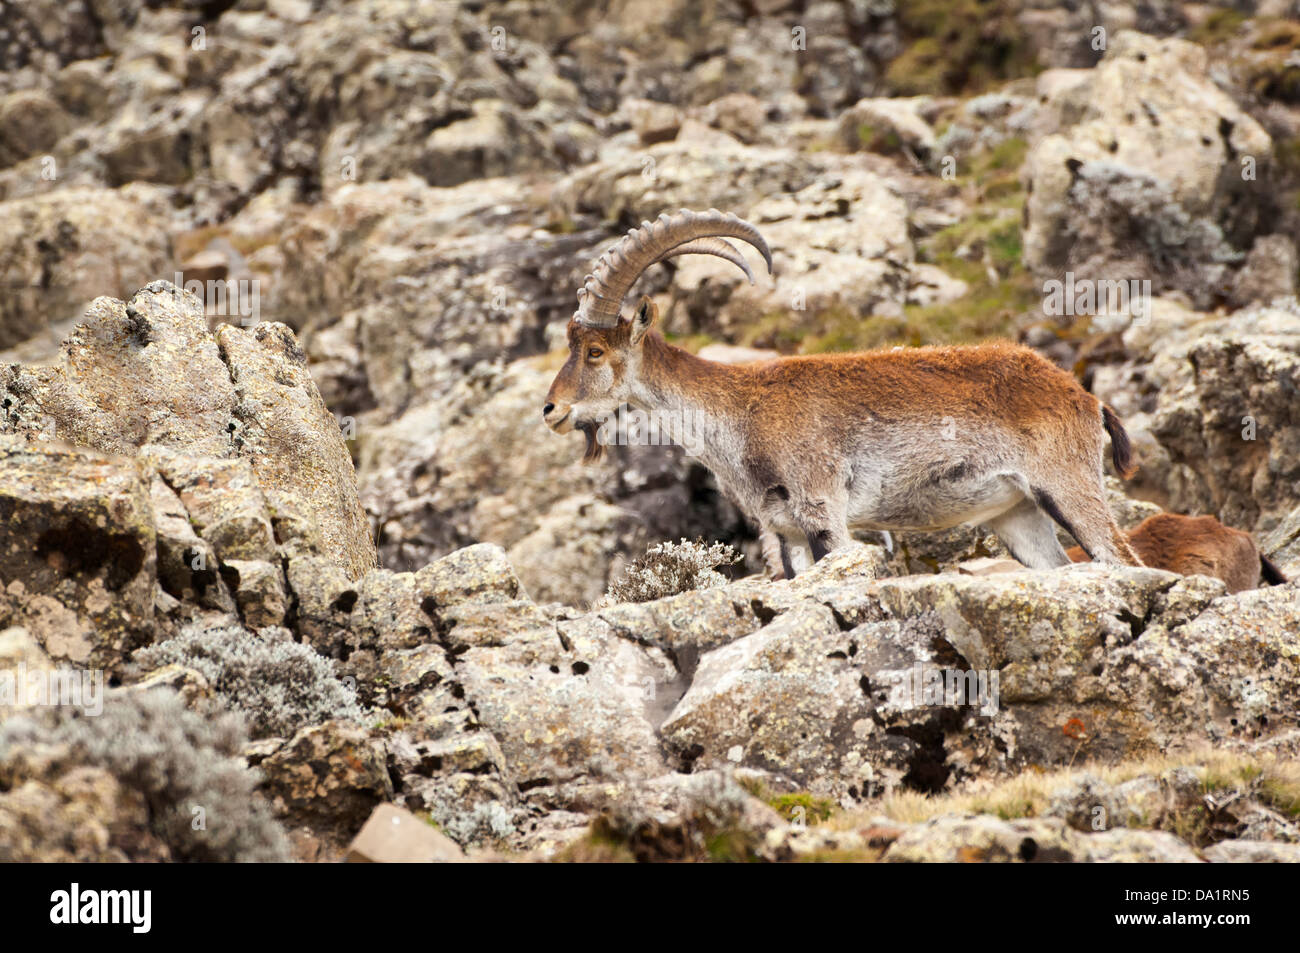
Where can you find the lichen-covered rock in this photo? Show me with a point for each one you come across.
(1206, 400)
(83, 816)
(1282, 545)
(1144, 180)
(1231, 672)
(887, 125)
(63, 249)
(284, 430)
(329, 777)
(148, 377)
(19, 653)
(1232, 430)
(832, 711)
(479, 573)
(1055, 640)
(984, 839)
(780, 671)
(1252, 852)
(78, 561)
(132, 373)
(574, 703)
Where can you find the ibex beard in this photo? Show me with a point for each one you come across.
(814, 447)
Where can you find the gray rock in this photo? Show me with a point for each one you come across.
(63, 249)
(78, 558)
(1252, 852)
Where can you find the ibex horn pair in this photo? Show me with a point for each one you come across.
(600, 298)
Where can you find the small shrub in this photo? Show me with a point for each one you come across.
(278, 685)
(671, 568)
(178, 761)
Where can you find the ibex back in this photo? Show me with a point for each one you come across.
(814, 447)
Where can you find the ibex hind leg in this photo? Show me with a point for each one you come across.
(1030, 536)
(824, 521)
(1086, 516)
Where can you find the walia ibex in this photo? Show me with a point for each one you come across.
(908, 439)
(1199, 545)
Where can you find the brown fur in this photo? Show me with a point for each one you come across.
(827, 391)
(1198, 545)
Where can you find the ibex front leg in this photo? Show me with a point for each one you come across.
(776, 555)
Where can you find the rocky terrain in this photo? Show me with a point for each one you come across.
(338, 578)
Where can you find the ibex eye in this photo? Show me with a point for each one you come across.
(594, 352)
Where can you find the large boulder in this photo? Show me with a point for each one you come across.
(60, 250)
(1209, 401)
(1145, 178)
(147, 376)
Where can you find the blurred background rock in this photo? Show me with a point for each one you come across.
(419, 187)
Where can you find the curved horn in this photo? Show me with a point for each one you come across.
(711, 246)
(600, 298)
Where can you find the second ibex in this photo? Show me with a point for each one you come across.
(909, 439)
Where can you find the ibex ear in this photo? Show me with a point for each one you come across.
(643, 318)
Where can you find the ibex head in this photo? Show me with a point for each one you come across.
(605, 349)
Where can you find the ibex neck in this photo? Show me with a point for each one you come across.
(671, 378)
(699, 402)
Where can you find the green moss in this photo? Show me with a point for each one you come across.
(995, 172)
(814, 809)
(959, 46)
(561, 226)
(958, 249)
(885, 142)
(1218, 27)
(1008, 154)
(731, 847)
